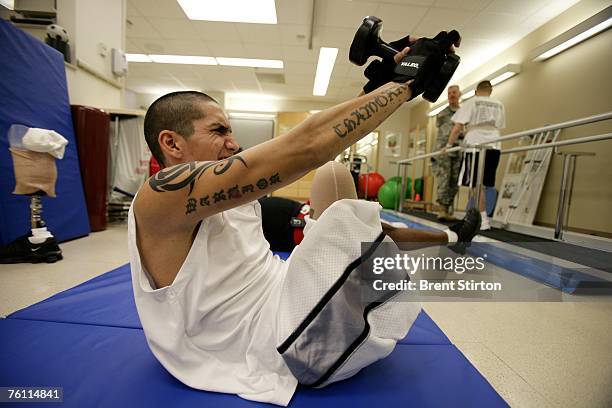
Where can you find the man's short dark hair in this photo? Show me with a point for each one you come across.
(175, 111)
(484, 86)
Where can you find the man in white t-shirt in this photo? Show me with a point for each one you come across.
(483, 117)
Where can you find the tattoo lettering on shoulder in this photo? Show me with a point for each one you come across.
(365, 112)
(165, 180)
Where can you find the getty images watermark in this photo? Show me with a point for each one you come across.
(413, 264)
(484, 272)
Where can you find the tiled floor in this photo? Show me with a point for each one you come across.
(534, 354)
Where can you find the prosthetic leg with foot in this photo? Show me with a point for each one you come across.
(39, 245)
(35, 176)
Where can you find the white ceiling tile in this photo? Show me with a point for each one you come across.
(132, 11)
(333, 37)
(157, 86)
(135, 69)
(437, 20)
(294, 67)
(218, 85)
(185, 47)
(291, 34)
(246, 87)
(554, 7)
(159, 8)
(405, 2)
(182, 71)
(294, 11)
(473, 5)
(255, 50)
(225, 49)
(211, 73)
(139, 27)
(259, 33)
(517, 7)
(240, 74)
(149, 45)
(132, 47)
(357, 73)
(341, 71)
(343, 13)
(492, 26)
(299, 80)
(216, 31)
(300, 53)
(486, 33)
(403, 19)
(152, 70)
(173, 29)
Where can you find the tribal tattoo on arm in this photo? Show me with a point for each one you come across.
(164, 180)
(365, 112)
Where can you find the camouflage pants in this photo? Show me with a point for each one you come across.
(446, 170)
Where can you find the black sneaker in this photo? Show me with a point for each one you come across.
(466, 230)
(22, 250)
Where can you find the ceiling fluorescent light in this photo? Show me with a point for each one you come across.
(183, 59)
(250, 62)
(325, 66)
(250, 115)
(9, 4)
(587, 29)
(437, 110)
(505, 72)
(502, 77)
(137, 58)
(235, 11)
(468, 94)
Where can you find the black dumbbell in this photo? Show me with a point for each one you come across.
(367, 43)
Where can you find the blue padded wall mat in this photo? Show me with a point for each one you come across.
(34, 93)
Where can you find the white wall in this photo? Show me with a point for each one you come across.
(92, 23)
(398, 122)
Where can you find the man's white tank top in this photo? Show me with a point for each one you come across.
(215, 328)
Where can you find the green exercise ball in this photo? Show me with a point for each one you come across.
(398, 179)
(389, 193)
(418, 186)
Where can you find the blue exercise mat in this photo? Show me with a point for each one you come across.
(569, 280)
(113, 367)
(108, 300)
(33, 92)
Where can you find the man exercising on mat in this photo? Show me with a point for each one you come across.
(213, 300)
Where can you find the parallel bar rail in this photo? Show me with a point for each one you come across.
(484, 146)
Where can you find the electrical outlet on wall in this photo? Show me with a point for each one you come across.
(102, 50)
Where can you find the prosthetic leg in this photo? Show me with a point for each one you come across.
(35, 176)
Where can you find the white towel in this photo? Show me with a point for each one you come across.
(45, 141)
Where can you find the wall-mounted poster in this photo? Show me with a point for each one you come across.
(393, 144)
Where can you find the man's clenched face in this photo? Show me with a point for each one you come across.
(212, 137)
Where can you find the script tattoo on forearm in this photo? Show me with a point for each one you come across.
(164, 180)
(230, 193)
(365, 112)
